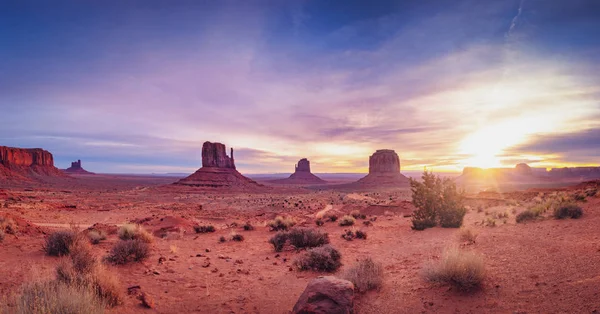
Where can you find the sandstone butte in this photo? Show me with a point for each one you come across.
(23, 164)
(301, 175)
(384, 170)
(218, 170)
(77, 169)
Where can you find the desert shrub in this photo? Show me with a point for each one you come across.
(579, 197)
(237, 237)
(57, 297)
(526, 216)
(135, 232)
(59, 243)
(319, 222)
(357, 215)
(467, 235)
(83, 258)
(222, 239)
(331, 217)
(347, 221)
(1, 235)
(568, 211)
(280, 223)
(106, 286)
(126, 251)
(437, 201)
(462, 269)
(322, 258)
(361, 234)
(348, 235)
(367, 223)
(204, 229)
(95, 236)
(365, 275)
(490, 222)
(278, 241)
(591, 192)
(248, 227)
(8, 225)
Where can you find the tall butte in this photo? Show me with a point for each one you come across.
(218, 170)
(301, 175)
(76, 168)
(384, 170)
(26, 163)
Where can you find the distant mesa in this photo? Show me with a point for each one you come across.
(25, 164)
(218, 170)
(384, 170)
(76, 168)
(523, 173)
(301, 175)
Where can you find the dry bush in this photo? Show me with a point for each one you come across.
(135, 232)
(248, 227)
(365, 275)
(319, 222)
(361, 234)
(8, 226)
(59, 243)
(527, 215)
(357, 215)
(95, 236)
(222, 239)
(1, 235)
(204, 229)
(462, 269)
(331, 217)
(347, 221)
(324, 258)
(107, 286)
(300, 238)
(237, 237)
(279, 240)
(83, 258)
(281, 223)
(568, 210)
(467, 235)
(127, 251)
(57, 297)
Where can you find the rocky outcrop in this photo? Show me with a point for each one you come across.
(326, 295)
(523, 173)
(301, 175)
(76, 168)
(218, 171)
(26, 163)
(384, 170)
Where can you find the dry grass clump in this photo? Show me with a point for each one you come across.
(527, 215)
(365, 275)
(331, 217)
(462, 269)
(467, 235)
(347, 221)
(323, 258)
(95, 236)
(568, 210)
(59, 243)
(8, 226)
(1, 235)
(135, 232)
(127, 251)
(57, 297)
(281, 223)
(300, 238)
(357, 215)
(248, 227)
(237, 237)
(204, 229)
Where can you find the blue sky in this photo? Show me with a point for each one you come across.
(138, 86)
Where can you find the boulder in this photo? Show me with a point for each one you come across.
(326, 295)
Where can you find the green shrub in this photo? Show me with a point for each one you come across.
(204, 229)
(347, 221)
(462, 269)
(59, 243)
(323, 258)
(437, 201)
(126, 251)
(280, 223)
(365, 275)
(568, 211)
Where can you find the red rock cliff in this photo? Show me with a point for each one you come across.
(384, 161)
(214, 155)
(25, 157)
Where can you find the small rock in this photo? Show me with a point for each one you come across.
(215, 270)
(199, 255)
(161, 260)
(206, 264)
(238, 261)
(274, 263)
(156, 272)
(147, 301)
(207, 250)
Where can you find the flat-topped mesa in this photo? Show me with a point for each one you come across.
(301, 175)
(214, 155)
(218, 171)
(23, 164)
(384, 161)
(384, 170)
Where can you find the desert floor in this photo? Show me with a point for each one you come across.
(546, 266)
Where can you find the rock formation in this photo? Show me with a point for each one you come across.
(25, 164)
(384, 170)
(76, 168)
(218, 170)
(523, 173)
(326, 294)
(301, 175)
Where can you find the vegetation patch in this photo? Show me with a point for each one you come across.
(568, 211)
(365, 275)
(204, 229)
(300, 238)
(347, 221)
(437, 201)
(59, 243)
(324, 258)
(467, 235)
(126, 251)
(461, 269)
(281, 223)
(527, 215)
(135, 232)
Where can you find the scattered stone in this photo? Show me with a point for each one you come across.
(206, 264)
(147, 301)
(326, 294)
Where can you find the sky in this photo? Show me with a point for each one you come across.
(138, 86)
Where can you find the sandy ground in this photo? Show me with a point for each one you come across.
(547, 266)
